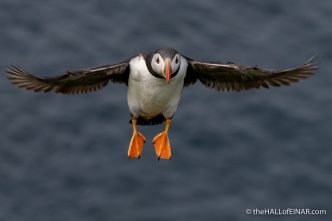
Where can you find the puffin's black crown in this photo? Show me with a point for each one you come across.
(167, 52)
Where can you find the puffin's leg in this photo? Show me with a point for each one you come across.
(136, 142)
(161, 143)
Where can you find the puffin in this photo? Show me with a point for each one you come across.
(155, 82)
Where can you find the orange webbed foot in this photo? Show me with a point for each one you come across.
(136, 145)
(162, 146)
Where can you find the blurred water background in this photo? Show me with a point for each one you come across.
(64, 157)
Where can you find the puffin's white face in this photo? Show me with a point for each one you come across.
(167, 67)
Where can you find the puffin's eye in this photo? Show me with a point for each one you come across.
(176, 60)
(157, 60)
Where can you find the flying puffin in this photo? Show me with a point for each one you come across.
(155, 82)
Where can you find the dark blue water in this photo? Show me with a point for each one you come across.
(64, 157)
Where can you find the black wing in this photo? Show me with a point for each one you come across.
(81, 81)
(233, 77)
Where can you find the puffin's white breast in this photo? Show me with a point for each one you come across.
(149, 96)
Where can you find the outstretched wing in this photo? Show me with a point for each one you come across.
(233, 77)
(81, 81)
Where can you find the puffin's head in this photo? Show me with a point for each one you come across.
(166, 62)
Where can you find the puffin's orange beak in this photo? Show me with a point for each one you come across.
(168, 71)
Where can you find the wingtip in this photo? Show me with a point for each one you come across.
(314, 61)
(13, 69)
(10, 71)
(312, 65)
(9, 68)
(14, 72)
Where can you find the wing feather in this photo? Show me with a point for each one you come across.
(81, 81)
(233, 77)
